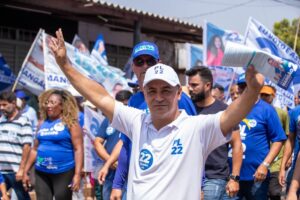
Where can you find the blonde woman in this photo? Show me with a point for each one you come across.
(58, 148)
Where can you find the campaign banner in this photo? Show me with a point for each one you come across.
(54, 77)
(223, 76)
(78, 43)
(86, 65)
(214, 42)
(99, 52)
(196, 55)
(7, 78)
(92, 123)
(31, 75)
(258, 36)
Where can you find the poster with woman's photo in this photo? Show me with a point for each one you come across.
(214, 41)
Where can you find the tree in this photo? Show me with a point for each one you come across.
(286, 31)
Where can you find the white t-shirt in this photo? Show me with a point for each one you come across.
(167, 164)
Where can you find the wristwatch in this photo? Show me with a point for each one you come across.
(234, 177)
(267, 165)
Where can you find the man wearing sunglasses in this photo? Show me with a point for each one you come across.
(144, 55)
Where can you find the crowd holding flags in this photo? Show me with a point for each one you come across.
(39, 70)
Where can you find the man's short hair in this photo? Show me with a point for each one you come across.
(203, 72)
(219, 87)
(8, 96)
(123, 95)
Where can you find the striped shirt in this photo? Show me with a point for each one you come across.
(13, 136)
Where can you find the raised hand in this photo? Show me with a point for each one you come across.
(57, 45)
(254, 80)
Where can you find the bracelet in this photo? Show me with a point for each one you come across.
(267, 165)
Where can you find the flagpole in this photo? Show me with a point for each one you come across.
(296, 36)
(25, 60)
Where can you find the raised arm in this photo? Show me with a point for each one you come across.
(90, 89)
(239, 108)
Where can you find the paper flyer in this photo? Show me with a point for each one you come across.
(276, 69)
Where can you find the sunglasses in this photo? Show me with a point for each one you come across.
(139, 62)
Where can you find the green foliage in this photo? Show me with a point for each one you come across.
(286, 31)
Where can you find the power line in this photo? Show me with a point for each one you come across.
(218, 11)
(288, 4)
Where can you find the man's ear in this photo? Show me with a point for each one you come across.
(179, 92)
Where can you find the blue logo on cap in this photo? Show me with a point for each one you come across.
(145, 48)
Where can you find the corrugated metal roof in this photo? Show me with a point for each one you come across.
(141, 12)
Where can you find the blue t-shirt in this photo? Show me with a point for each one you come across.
(138, 101)
(81, 119)
(1, 178)
(295, 121)
(294, 127)
(55, 153)
(260, 127)
(111, 137)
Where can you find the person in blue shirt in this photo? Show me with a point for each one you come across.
(105, 141)
(292, 144)
(3, 191)
(258, 130)
(144, 55)
(58, 148)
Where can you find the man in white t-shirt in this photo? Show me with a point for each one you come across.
(169, 148)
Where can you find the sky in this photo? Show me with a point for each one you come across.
(226, 14)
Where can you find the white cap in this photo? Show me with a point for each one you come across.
(161, 72)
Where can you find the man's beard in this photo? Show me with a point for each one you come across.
(197, 97)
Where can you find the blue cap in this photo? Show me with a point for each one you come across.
(133, 84)
(241, 79)
(145, 48)
(21, 95)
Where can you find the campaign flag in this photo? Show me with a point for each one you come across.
(258, 36)
(99, 52)
(214, 42)
(78, 43)
(223, 76)
(196, 55)
(31, 75)
(54, 77)
(89, 67)
(7, 78)
(92, 123)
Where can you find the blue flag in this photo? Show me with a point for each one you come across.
(7, 78)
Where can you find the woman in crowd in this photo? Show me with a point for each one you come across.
(215, 51)
(58, 148)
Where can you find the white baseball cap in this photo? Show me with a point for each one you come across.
(161, 72)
